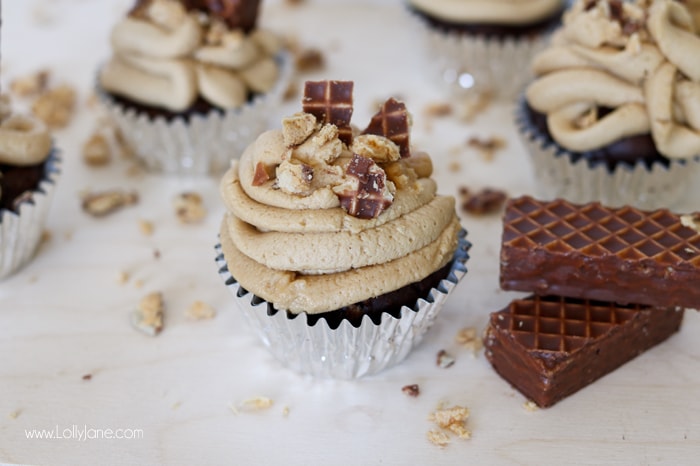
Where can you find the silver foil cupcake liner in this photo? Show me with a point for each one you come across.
(346, 352)
(558, 176)
(499, 67)
(206, 143)
(21, 231)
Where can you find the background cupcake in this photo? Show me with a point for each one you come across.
(335, 244)
(190, 83)
(28, 172)
(486, 45)
(614, 114)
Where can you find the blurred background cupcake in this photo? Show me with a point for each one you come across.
(28, 173)
(485, 45)
(335, 245)
(614, 114)
(190, 82)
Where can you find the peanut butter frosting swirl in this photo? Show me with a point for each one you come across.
(166, 56)
(24, 140)
(506, 12)
(639, 59)
(290, 236)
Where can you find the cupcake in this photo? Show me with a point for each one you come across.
(190, 82)
(335, 245)
(485, 45)
(614, 114)
(28, 172)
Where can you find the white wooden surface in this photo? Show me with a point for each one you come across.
(65, 315)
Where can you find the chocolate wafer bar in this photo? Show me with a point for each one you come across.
(393, 122)
(331, 102)
(551, 347)
(590, 251)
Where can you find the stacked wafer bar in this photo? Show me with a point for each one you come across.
(585, 264)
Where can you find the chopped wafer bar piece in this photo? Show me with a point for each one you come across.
(331, 102)
(365, 193)
(394, 123)
(594, 252)
(551, 347)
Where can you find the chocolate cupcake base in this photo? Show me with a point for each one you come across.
(347, 344)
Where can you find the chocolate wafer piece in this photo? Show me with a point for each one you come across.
(594, 252)
(551, 347)
(331, 102)
(393, 122)
(237, 14)
(369, 195)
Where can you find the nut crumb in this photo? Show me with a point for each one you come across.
(200, 311)
(146, 227)
(148, 317)
(87, 377)
(189, 208)
(530, 405)
(445, 359)
(438, 437)
(55, 107)
(30, 85)
(487, 201)
(104, 203)
(487, 147)
(411, 390)
(452, 419)
(468, 338)
(691, 221)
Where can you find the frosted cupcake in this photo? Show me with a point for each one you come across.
(28, 172)
(190, 82)
(614, 114)
(335, 244)
(486, 45)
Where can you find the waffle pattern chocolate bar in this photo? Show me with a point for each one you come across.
(551, 347)
(393, 122)
(331, 102)
(593, 252)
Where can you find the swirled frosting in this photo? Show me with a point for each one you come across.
(288, 237)
(167, 56)
(640, 59)
(509, 12)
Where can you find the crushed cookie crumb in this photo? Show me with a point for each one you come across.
(258, 403)
(452, 420)
(96, 151)
(484, 202)
(30, 85)
(55, 107)
(148, 317)
(445, 359)
(691, 221)
(438, 437)
(411, 390)
(104, 203)
(530, 406)
(469, 339)
(87, 377)
(189, 208)
(454, 167)
(200, 311)
(487, 147)
(146, 227)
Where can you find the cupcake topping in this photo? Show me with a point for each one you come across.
(169, 52)
(331, 103)
(489, 11)
(637, 61)
(23, 140)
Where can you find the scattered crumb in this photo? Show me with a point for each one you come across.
(200, 311)
(411, 390)
(68, 235)
(148, 317)
(122, 277)
(450, 420)
(135, 170)
(438, 109)
(438, 437)
(138, 284)
(15, 414)
(55, 107)
(258, 403)
(87, 377)
(96, 151)
(309, 60)
(468, 338)
(487, 201)
(472, 105)
(176, 405)
(294, 2)
(189, 207)
(530, 405)
(46, 236)
(146, 227)
(454, 167)
(445, 359)
(285, 411)
(156, 254)
(292, 90)
(691, 221)
(33, 279)
(30, 85)
(487, 147)
(104, 203)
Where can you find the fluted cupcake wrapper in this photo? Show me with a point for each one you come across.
(20, 232)
(206, 143)
(346, 352)
(468, 64)
(556, 176)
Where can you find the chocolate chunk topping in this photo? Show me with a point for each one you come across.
(392, 122)
(368, 200)
(331, 102)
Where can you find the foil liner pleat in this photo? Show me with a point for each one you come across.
(466, 64)
(556, 176)
(206, 143)
(346, 352)
(20, 232)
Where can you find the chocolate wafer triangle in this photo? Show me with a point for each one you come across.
(393, 122)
